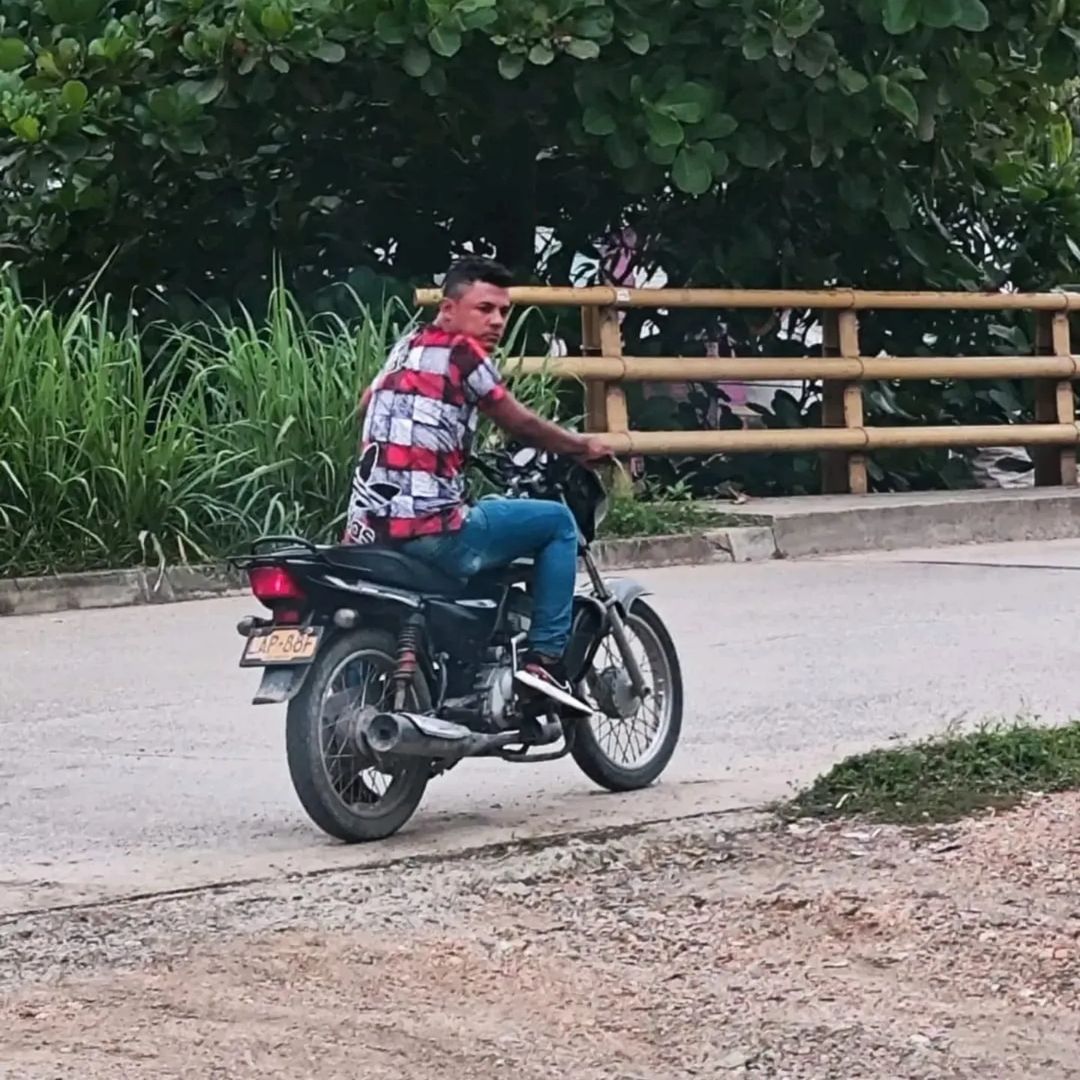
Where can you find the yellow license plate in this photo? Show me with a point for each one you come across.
(274, 645)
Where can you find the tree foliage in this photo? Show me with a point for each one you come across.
(752, 142)
(178, 146)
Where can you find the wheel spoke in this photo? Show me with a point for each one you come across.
(631, 742)
(355, 779)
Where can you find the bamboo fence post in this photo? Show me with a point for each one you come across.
(595, 389)
(842, 406)
(616, 413)
(1054, 402)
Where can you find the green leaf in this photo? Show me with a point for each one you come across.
(901, 16)
(851, 81)
(511, 65)
(13, 54)
(74, 95)
(279, 63)
(191, 142)
(900, 98)
(688, 103)
(598, 121)
(662, 129)
(638, 42)
(479, 20)
(595, 22)
(1009, 173)
(209, 90)
(583, 49)
(756, 47)
(27, 128)
(973, 16)
(329, 52)
(389, 31)
(940, 14)
(799, 19)
(416, 60)
(46, 64)
(541, 54)
(813, 53)
(718, 126)
(782, 45)
(445, 41)
(276, 21)
(752, 149)
(661, 155)
(693, 170)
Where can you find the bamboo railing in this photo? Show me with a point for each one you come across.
(844, 439)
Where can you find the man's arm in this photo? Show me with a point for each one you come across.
(528, 427)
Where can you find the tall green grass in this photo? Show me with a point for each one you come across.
(113, 455)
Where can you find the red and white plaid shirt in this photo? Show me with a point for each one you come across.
(418, 431)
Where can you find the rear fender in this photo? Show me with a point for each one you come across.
(280, 684)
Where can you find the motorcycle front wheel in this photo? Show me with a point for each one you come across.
(346, 792)
(629, 741)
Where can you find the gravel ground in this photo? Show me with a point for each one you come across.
(717, 949)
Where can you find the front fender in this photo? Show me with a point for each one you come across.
(591, 622)
(626, 591)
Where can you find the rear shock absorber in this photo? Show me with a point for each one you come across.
(408, 659)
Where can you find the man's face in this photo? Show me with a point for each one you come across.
(480, 310)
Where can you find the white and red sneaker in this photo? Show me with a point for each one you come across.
(548, 679)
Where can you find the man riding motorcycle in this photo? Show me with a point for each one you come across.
(419, 420)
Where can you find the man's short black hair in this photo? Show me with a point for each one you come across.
(468, 271)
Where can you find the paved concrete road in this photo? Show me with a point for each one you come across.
(131, 761)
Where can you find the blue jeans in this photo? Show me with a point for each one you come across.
(498, 531)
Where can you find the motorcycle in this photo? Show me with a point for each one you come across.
(393, 672)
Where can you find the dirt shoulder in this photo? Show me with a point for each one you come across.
(706, 951)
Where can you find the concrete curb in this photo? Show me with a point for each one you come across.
(125, 588)
(115, 588)
(794, 528)
(815, 525)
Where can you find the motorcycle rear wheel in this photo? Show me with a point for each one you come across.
(341, 790)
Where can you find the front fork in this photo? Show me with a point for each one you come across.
(617, 624)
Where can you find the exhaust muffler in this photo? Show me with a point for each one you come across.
(410, 735)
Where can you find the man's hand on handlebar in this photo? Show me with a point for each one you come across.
(595, 450)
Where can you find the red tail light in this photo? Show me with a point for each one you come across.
(272, 585)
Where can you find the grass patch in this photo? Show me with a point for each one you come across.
(948, 777)
(637, 517)
(120, 447)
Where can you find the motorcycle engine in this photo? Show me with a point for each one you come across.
(495, 687)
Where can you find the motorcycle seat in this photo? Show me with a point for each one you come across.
(387, 566)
